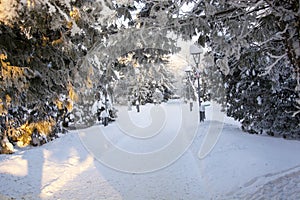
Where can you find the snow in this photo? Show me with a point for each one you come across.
(259, 100)
(239, 166)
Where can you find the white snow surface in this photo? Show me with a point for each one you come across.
(240, 166)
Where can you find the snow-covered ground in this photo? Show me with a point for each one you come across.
(240, 166)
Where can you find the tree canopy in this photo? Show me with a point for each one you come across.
(52, 47)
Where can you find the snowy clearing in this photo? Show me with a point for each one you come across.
(240, 166)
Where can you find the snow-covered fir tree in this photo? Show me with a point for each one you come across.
(144, 77)
(255, 49)
(52, 48)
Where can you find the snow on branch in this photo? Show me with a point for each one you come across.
(277, 36)
(276, 57)
(280, 9)
(297, 112)
(270, 67)
(284, 31)
(298, 107)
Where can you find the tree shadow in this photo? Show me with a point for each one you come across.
(21, 174)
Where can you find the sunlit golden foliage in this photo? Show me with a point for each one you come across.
(62, 103)
(45, 40)
(57, 42)
(8, 11)
(2, 108)
(59, 104)
(126, 59)
(69, 24)
(75, 14)
(22, 134)
(69, 105)
(3, 57)
(72, 94)
(88, 81)
(30, 3)
(13, 76)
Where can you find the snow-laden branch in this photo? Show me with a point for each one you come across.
(276, 57)
(276, 36)
(282, 32)
(298, 107)
(296, 113)
(270, 67)
(226, 14)
(280, 9)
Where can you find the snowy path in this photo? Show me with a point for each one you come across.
(240, 166)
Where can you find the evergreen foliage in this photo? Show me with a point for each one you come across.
(253, 63)
(74, 48)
